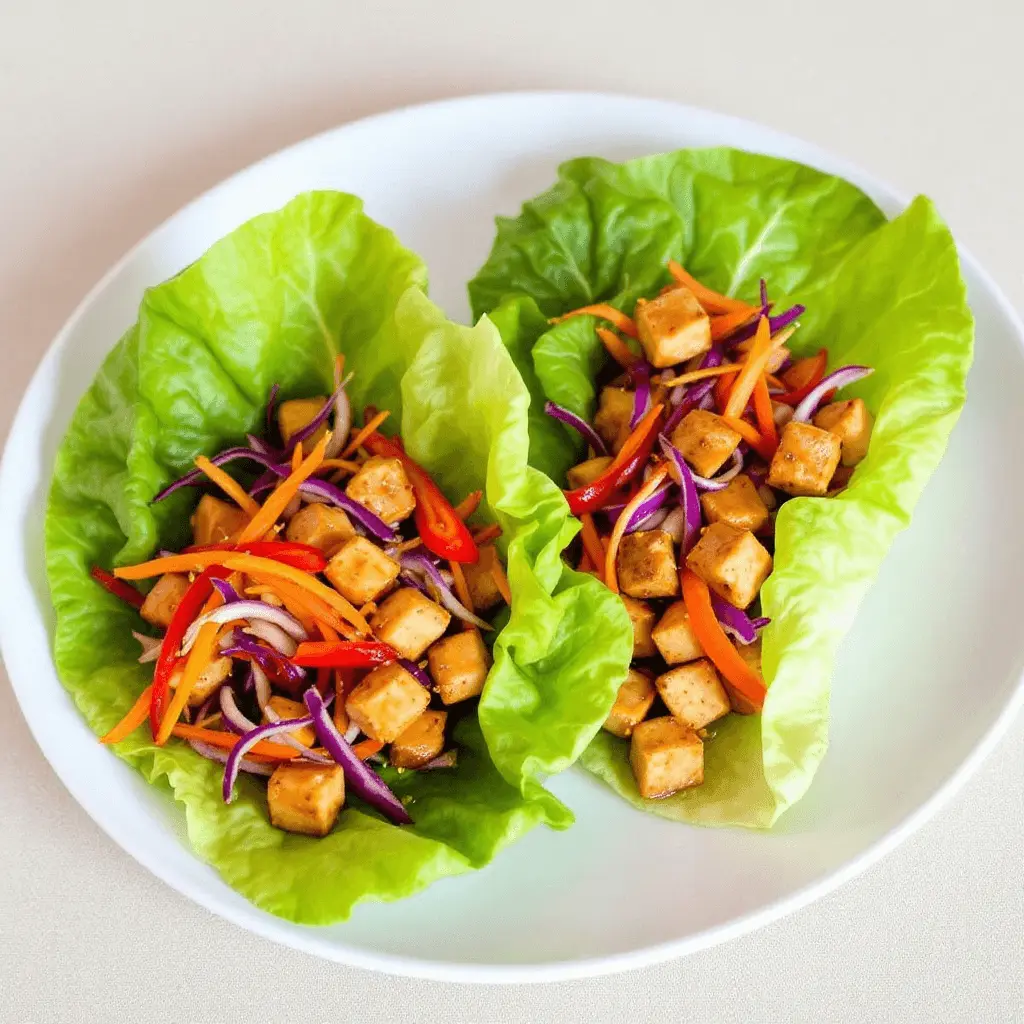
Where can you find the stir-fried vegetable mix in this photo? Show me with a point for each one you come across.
(705, 427)
(326, 629)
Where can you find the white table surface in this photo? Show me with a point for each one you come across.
(116, 112)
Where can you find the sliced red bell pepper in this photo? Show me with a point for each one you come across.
(815, 372)
(443, 533)
(125, 591)
(299, 556)
(344, 654)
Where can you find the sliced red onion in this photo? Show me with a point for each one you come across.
(764, 294)
(652, 522)
(248, 741)
(736, 621)
(782, 414)
(260, 683)
(647, 508)
(231, 713)
(416, 672)
(318, 420)
(674, 524)
(274, 635)
(342, 417)
(264, 482)
(226, 591)
(449, 759)
(261, 447)
(271, 405)
(294, 742)
(841, 378)
(579, 424)
(329, 494)
(268, 659)
(245, 610)
(775, 324)
(640, 372)
(196, 476)
(352, 733)
(213, 753)
(422, 565)
(687, 492)
(365, 782)
(720, 482)
(150, 647)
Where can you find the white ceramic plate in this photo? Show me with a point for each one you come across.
(925, 682)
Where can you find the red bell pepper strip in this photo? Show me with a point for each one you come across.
(125, 591)
(816, 366)
(191, 605)
(344, 654)
(630, 460)
(298, 556)
(443, 533)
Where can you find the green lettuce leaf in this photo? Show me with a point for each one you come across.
(887, 294)
(273, 302)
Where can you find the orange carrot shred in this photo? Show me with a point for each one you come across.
(501, 582)
(469, 504)
(231, 487)
(712, 301)
(617, 348)
(605, 312)
(363, 434)
(592, 545)
(653, 482)
(136, 716)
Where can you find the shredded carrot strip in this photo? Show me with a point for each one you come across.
(367, 748)
(342, 464)
(617, 348)
(501, 582)
(708, 371)
(462, 590)
(296, 457)
(227, 740)
(592, 545)
(363, 434)
(605, 312)
(763, 412)
(751, 436)
(469, 504)
(229, 486)
(774, 382)
(611, 578)
(308, 608)
(340, 714)
(408, 545)
(208, 721)
(723, 326)
(712, 301)
(202, 653)
(752, 369)
(327, 631)
(136, 716)
(488, 533)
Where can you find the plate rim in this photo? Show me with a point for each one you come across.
(309, 940)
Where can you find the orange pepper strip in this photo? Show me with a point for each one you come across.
(729, 323)
(753, 367)
(712, 301)
(617, 348)
(232, 488)
(469, 504)
(501, 582)
(136, 716)
(227, 740)
(611, 576)
(297, 457)
(307, 608)
(367, 748)
(605, 312)
(722, 389)
(751, 436)
(488, 533)
(592, 545)
(763, 411)
(279, 500)
(199, 658)
(716, 645)
(353, 446)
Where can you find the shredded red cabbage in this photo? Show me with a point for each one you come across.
(326, 492)
(248, 741)
(580, 425)
(688, 499)
(196, 476)
(841, 378)
(736, 621)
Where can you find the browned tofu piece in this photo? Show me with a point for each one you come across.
(751, 654)
(162, 601)
(386, 702)
(297, 413)
(210, 680)
(587, 472)
(320, 526)
(851, 422)
(705, 441)
(805, 460)
(215, 521)
(732, 562)
(634, 700)
(420, 742)
(646, 564)
(306, 798)
(459, 665)
(738, 504)
(694, 693)
(666, 757)
(360, 571)
(409, 621)
(672, 327)
(381, 485)
(614, 412)
(480, 579)
(674, 637)
(642, 616)
(284, 709)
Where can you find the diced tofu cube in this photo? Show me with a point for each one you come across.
(410, 622)
(459, 665)
(642, 616)
(386, 702)
(162, 601)
(672, 327)
(587, 472)
(751, 654)
(666, 757)
(732, 562)
(420, 742)
(285, 708)
(480, 579)
(613, 415)
(776, 360)
(738, 504)
(297, 413)
(674, 637)
(705, 441)
(646, 564)
(694, 694)
(382, 486)
(360, 571)
(320, 526)
(215, 521)
(805, 460)
(306, 798)
(634, 700)
(851, 422)
(210, 680)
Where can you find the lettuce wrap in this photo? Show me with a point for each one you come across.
(886, 294)
(273, 302)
